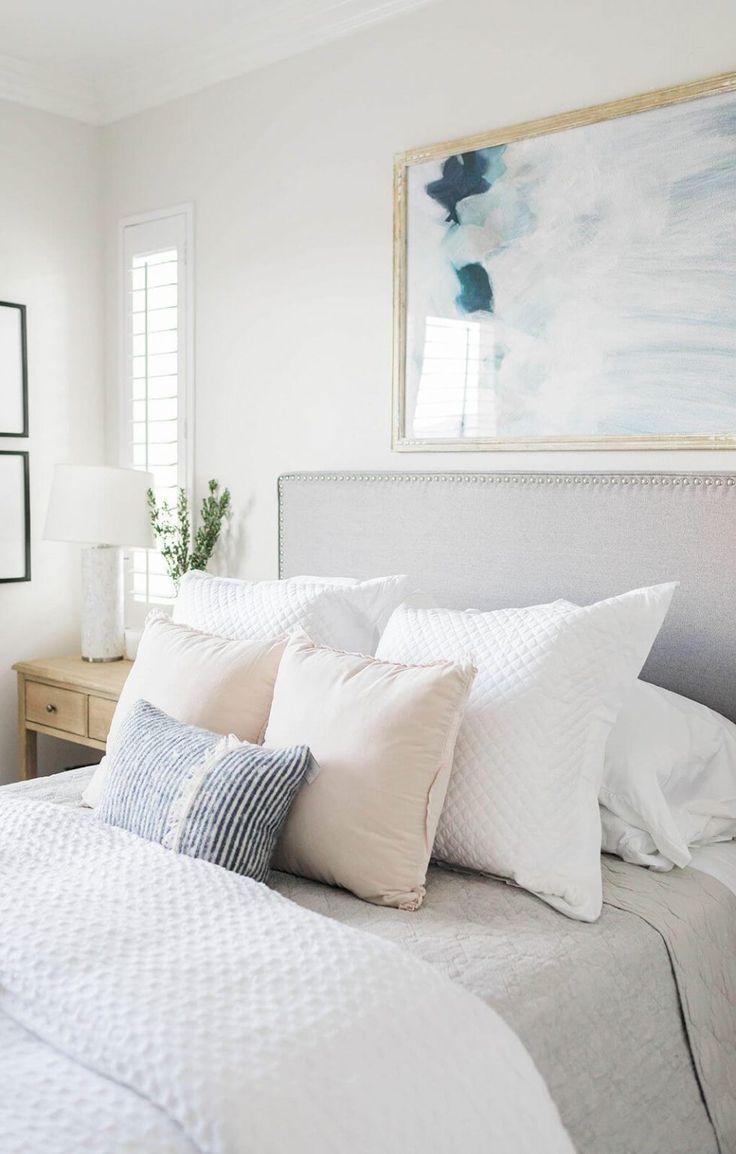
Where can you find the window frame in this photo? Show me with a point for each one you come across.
(185, 368)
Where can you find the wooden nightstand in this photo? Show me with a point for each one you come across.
(66, 697)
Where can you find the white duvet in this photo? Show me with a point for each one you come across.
(155, 1004)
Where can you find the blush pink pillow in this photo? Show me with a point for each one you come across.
(383, 736)
(224, 686)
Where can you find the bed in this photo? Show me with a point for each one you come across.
(631, 1021)
(597, 1006)
(611, 1040)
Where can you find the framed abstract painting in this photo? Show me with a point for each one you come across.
(570, 283)
(15, 518)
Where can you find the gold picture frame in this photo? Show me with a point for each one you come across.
(403, 439)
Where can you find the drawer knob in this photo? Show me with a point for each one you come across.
(51, 709)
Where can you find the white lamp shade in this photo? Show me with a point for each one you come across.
(99, 505)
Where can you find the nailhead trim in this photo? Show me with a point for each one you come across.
(628, 479)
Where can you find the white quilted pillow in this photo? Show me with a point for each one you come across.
(345, 616)
(379, 595)
(523, 796)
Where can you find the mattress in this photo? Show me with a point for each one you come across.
(596, 1005)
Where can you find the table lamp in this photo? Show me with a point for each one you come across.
(102, 508)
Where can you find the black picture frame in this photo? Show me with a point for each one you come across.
(24, 369)
(25, 456)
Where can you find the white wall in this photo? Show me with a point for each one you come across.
(290, 173)
(50, 260)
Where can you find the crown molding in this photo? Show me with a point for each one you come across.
(49, 89)
(280, 30)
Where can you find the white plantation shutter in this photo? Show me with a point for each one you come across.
(156, 379)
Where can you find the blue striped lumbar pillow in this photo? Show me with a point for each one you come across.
(200, 793)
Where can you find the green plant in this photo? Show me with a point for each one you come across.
(172, 527)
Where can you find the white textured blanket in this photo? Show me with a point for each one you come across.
(150, 1002)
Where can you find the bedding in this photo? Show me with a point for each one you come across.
(201, 793)
(624, 840)
(522, 802)
(669, 779)
(383, 593)
(48, 1108)
(184, 1007)
(696, 918)
(596, 1005)
(344, 615)
(208, 681)
(718, 860)
(383, 736)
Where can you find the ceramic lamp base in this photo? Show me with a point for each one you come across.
(103, 637)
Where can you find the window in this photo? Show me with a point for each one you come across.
(452, 398)
(156, 392)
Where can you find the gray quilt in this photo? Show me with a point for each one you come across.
(596, 1005)
(632, 1020)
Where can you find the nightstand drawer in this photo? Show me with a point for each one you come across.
(66, 697)
(100, 716)
(58, 708)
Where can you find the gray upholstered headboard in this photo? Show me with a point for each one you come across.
(490, 540)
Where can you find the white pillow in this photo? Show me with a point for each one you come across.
(223, 686)
(669, 779)
(383, 594)
(629, 843)
(523, 796)
(344, 616)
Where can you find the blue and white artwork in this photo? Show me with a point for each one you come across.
(576, 285)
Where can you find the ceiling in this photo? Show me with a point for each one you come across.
(100, 60)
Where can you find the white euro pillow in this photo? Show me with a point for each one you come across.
(522, 802)
(335, 612)
(669, 779)
(382, 594)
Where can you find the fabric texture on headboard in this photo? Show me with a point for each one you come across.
(493, 540)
